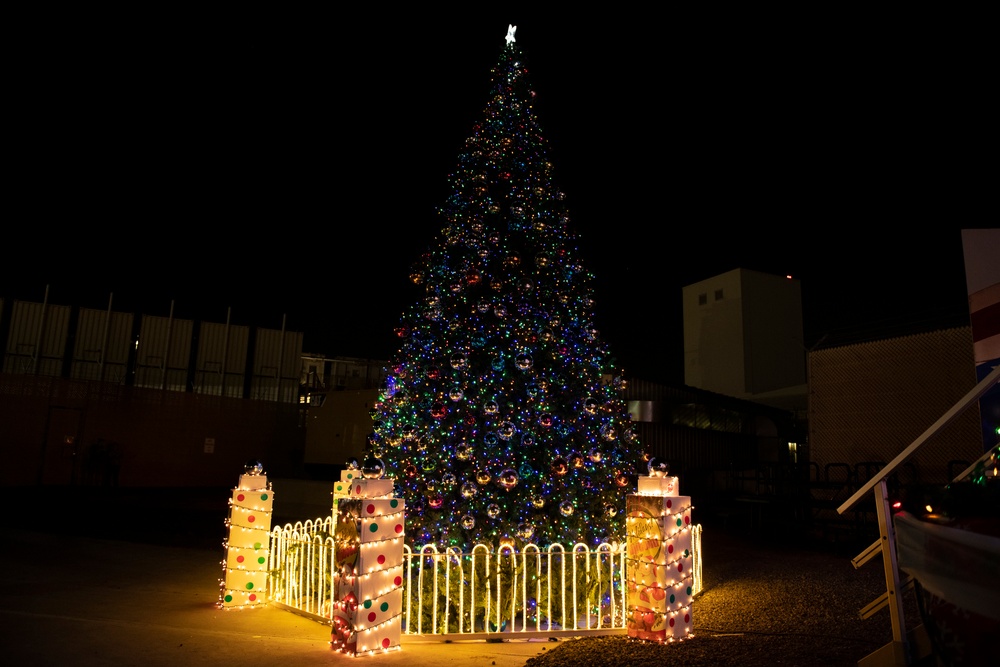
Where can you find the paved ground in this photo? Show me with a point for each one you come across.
(131, 577)
(86, 601)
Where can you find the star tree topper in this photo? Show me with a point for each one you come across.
(510, 32)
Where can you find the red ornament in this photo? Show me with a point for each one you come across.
(560, 467)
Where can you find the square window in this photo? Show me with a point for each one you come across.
(718, 295)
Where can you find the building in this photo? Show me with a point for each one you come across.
(870, 400)
(743, 338)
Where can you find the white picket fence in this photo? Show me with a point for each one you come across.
(481, 594)
(532, 592)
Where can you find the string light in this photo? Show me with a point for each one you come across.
(502, 414)
(244, 569)
(661, 560)
(369, 541)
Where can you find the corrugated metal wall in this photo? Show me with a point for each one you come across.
(221, 364)
(277, 366)
(165, 353)
(101, 347)
(870, 401)
(36, 342)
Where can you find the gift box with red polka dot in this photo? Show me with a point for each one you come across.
(344, 486)
(368, 625)
(659, 578)
(370, 488)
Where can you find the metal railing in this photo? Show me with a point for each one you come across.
(900, 651)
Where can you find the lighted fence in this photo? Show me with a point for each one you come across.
(534, 591)
(302, 574)
(451, 595)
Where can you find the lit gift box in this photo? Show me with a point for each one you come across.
(251, 509)
(343, 487)
(366, 616)
(350, 588)
(368, 557)
(244, 588)
(245, 565)
(251, 557)
(253, 482)
(364, 482)
(368, 624)
(659, 486)
(371, 519)
(653, 588)
(659, 581)
(370, 488)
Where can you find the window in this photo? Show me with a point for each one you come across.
(718, 295)
(702, 299)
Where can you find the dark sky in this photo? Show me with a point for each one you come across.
(283, 166)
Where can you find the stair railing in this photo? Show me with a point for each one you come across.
(899, 651)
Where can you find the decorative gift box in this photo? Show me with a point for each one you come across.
(347, 478)
(368, 557)
(658, 486)
(364, 488)
(659, 581)
(252, 482)
(247, 546)
(368, 626)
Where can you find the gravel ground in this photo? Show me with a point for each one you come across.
(762, 604)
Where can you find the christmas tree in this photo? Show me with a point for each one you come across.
(501, 419)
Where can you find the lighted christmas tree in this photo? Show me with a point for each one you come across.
(501, 419)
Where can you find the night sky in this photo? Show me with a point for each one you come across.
(284, 167)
